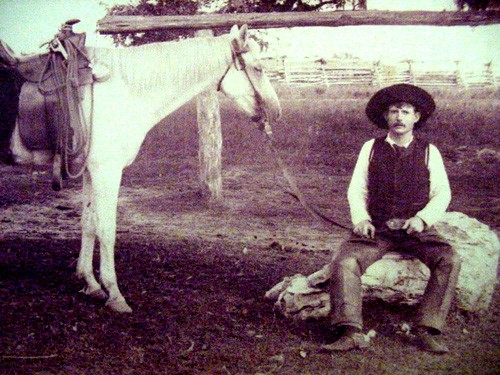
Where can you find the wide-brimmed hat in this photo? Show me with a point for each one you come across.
(382, 99)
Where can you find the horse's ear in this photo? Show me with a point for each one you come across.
(234, 31)
(239, 37)
(244, 33)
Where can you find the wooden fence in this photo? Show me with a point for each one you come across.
(357, 72)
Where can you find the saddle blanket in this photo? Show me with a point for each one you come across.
(36, 118)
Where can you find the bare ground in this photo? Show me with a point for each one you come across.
(195, 273)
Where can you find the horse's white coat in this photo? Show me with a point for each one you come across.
(146, 84)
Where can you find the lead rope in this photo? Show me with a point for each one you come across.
(73, 130)
(296, 192)
(81, 130)
(265, 127)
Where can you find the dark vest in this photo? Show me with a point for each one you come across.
(398, 186)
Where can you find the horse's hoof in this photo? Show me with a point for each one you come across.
(119, 306)
(99, 295)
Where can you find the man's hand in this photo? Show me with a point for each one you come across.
(415, 224)
(365, 228)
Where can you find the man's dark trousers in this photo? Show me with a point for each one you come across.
(357, 254)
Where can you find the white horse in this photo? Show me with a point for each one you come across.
(146, 84)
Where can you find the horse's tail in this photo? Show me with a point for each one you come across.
(10, 88)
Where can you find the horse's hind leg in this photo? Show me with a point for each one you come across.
(84, 267)
(105, 181)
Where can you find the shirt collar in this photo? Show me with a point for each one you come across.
(389, 140)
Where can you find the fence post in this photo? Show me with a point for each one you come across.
(322, 64)
(376, 74)
(460, 77)
(411, 75)
(285, 70)
(490, 76)
(209, 138)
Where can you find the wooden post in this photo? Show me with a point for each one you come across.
(490, 75)
(411, 76)
(122, 24)
(285, 70)
(460, 78)
(209, 138)
(323, 73)
(376, 80)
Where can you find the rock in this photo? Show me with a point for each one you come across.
(302, 297)
(396, 279)
(488, 156)
(479, 248)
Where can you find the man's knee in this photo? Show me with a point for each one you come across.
(346, 264)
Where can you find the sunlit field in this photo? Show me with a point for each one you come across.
(328, 126)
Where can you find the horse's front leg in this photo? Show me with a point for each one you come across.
(105, 186)
(84, 268)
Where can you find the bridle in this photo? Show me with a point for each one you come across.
(240, 64)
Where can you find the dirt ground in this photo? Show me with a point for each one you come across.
(195, 273)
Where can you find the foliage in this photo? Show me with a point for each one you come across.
(262, 6)
(476, 5)
(157, 8)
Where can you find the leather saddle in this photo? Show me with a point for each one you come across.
(48, 113)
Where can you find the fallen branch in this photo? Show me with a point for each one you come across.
(28, 356)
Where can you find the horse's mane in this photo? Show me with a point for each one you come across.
(168, 64)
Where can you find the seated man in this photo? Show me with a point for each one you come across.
(399, 189)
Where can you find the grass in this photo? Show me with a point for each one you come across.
(173, 284)
(325, 128)
(329, 126)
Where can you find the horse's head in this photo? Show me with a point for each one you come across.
(245, 81)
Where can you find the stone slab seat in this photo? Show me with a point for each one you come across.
(399, 279)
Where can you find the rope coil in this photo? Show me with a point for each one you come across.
(72, 128)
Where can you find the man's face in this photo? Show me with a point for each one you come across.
(401, 118)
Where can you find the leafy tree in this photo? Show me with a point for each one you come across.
(157, 8)
(476, 5)
(262, 6)
(190, 7)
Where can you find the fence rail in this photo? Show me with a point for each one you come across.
(356, 72)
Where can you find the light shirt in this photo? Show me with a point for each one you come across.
(439, 193)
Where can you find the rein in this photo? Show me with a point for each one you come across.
(265, 127)
(296, 192)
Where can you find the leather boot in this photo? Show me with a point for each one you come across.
(351, 338)
(427, 341)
